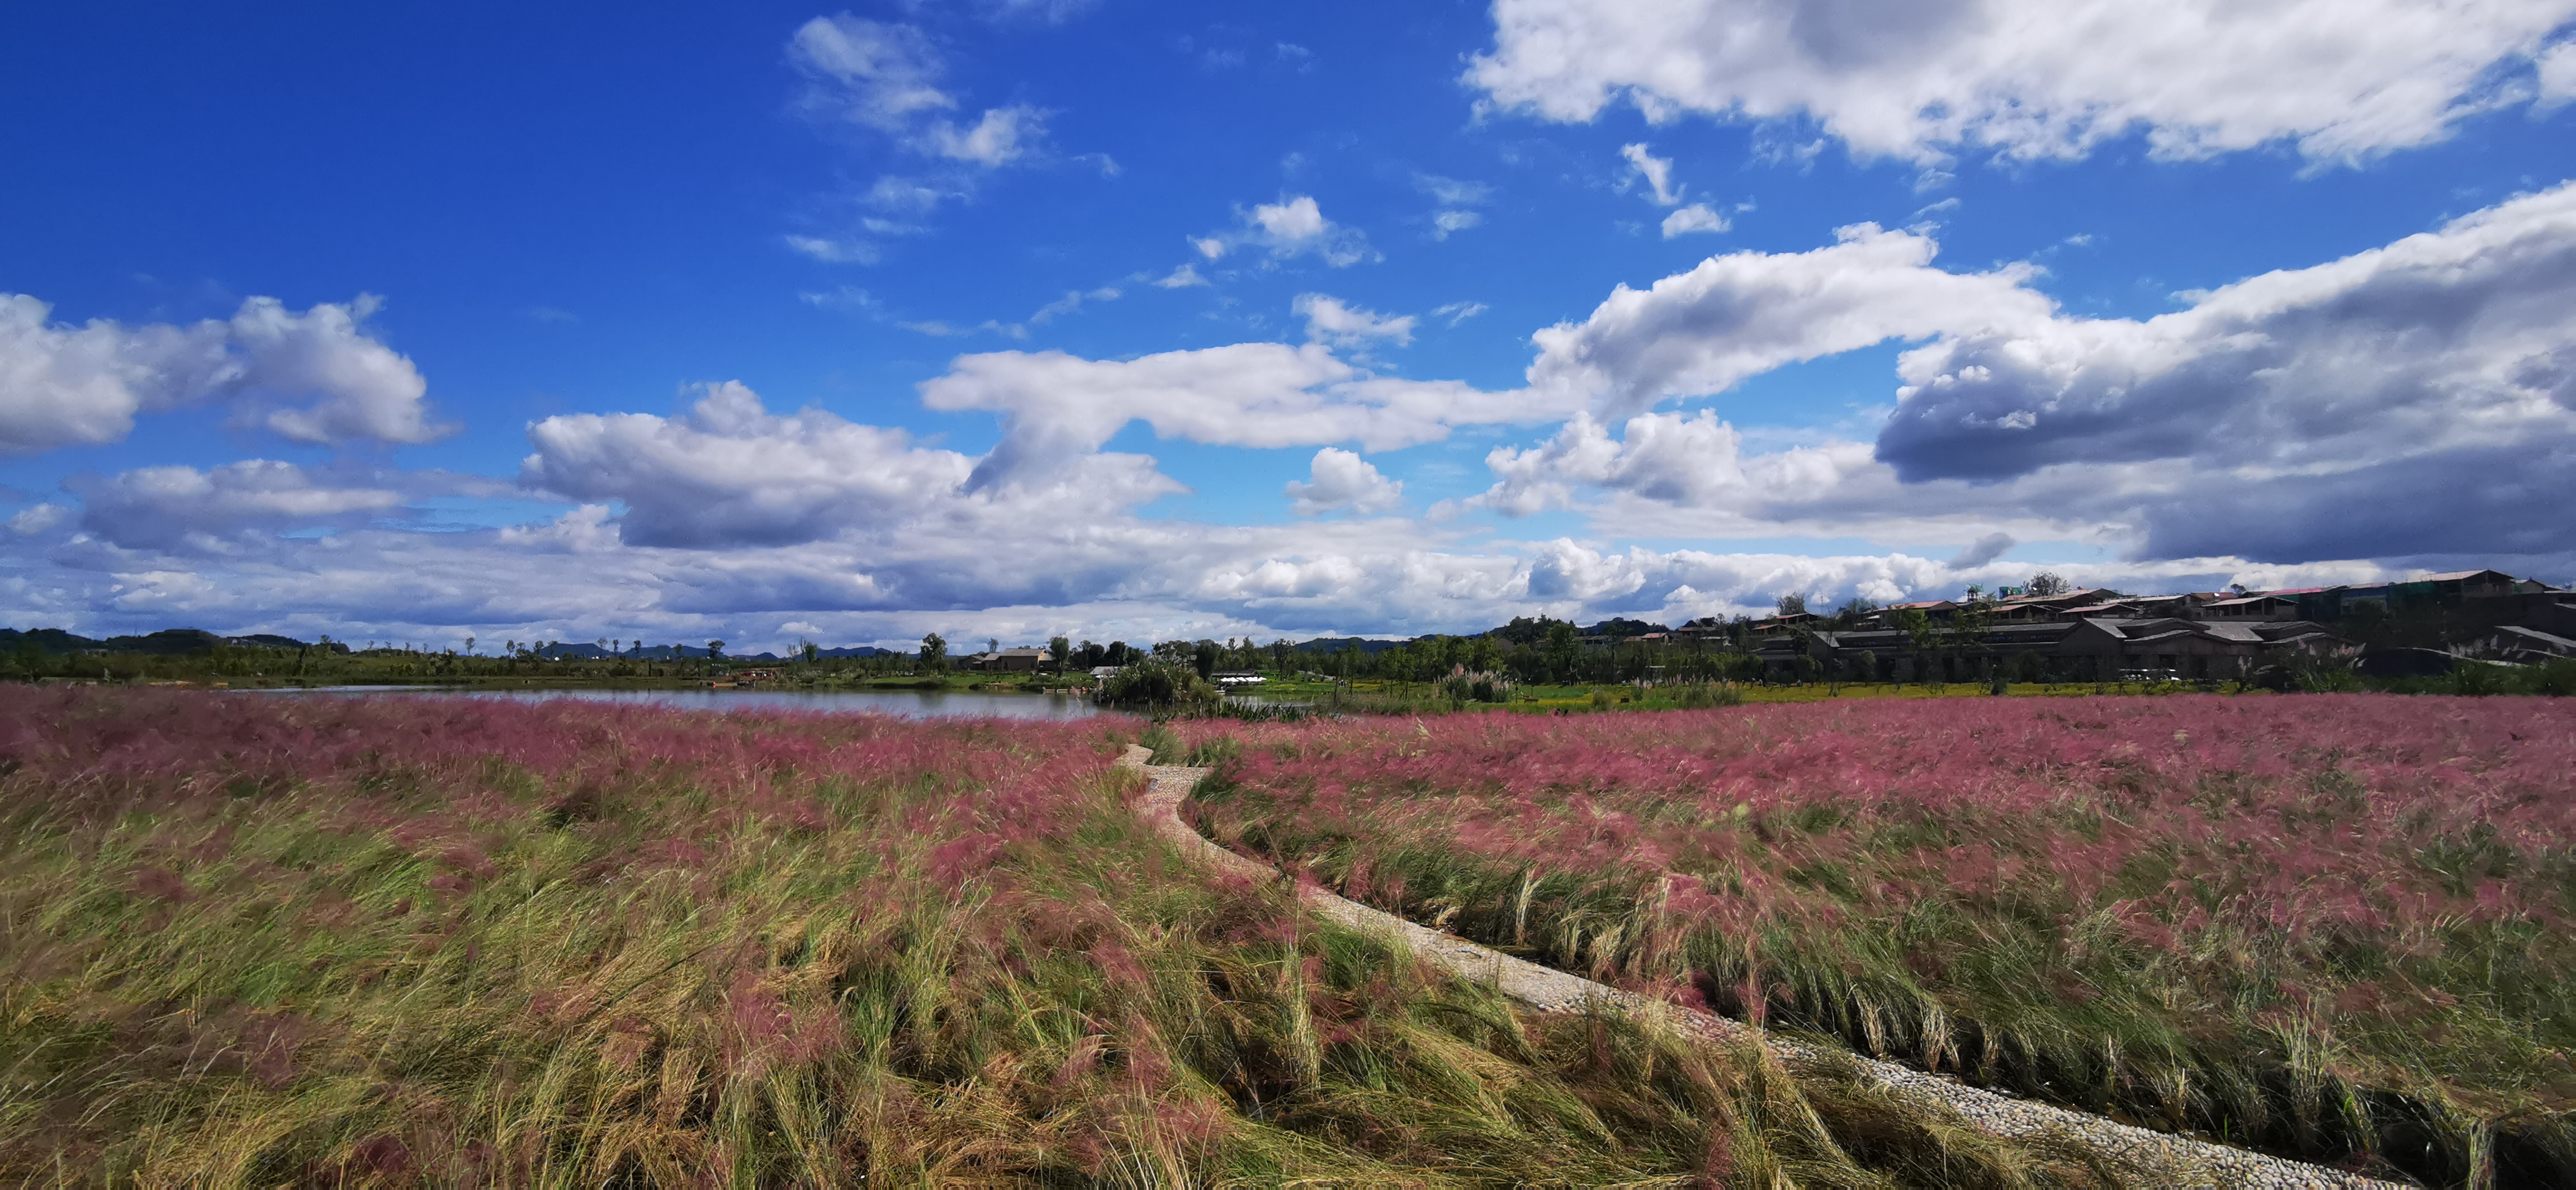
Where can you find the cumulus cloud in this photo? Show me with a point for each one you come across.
(1739, 315)
(1339, 479)
(2411, 400)
(316, 377)
(1057, 407)
(1292, 227)
(730, 472)
(1021, 565)
(157, 507)
(1183, 277)
(2028, 79)
(34, 520)
(1696, 217)
(2447, 350)
(1333, 322)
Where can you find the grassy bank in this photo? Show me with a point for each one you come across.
(2336, 926)
(250, 941)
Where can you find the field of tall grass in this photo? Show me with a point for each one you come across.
(2336, 926)
(259, 941)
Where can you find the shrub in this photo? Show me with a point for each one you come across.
(1163, 686)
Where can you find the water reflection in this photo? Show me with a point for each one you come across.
(914, 704)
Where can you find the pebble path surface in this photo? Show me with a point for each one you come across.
(2175, 1161)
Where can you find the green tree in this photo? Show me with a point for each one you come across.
(1060, 649)
(934, 654)
(715, 650)
(1920, 634)
(2049, 582)
(1793, 604)
(1562, 652)
(811, 650)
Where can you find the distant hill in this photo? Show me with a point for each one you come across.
(169, 642)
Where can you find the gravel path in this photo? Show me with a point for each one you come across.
(2174, 1161)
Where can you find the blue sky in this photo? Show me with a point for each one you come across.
(1117, 320)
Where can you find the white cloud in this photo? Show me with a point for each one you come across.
(1696, 217)
(1447, 223)
(886, 78)
(1341, 480)
(2337, 410)
(1057, 407)
(1658, 172)
(1051, 12)
(1735, 316)
(847, 297)
(34, 520)
(730, 472)
(1458, 312)
(315, 377)
(1454, 196)
(837, 249)
(1917, 80)
(1982, 551)
(1294, 226)
(1181, 278)
(1019, 563)
(2413, 400)
(1451, 192)
(158, 506)
(895, 193)
(1003, 135)
(2557, 74)
(879, 75)
(1330, 321)
(1072, 302)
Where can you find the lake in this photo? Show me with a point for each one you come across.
(911, 704)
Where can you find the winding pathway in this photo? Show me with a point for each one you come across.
(2175, 1161)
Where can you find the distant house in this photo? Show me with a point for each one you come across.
(1008, 660)
(1934, 609)
(2252, 607)
(1237, 677)
(2082, 649)
(1790, 620)
(1102, 673)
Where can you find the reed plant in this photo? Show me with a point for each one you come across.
(255, 941)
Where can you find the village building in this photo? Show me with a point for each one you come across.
(1008, 660)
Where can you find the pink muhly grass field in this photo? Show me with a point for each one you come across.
(2252, 914)
(255, 940)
